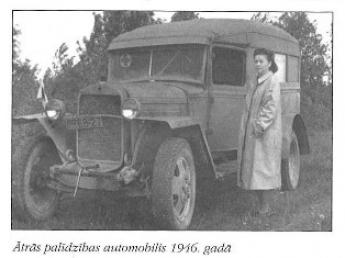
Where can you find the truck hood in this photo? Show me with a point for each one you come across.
(146, 91)
(156, 92)
(157, 98)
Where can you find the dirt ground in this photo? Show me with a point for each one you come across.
(309, 208)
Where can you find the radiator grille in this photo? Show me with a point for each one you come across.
(100, 104)
(103, 143)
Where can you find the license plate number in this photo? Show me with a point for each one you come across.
(84, 123)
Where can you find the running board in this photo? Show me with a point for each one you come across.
(225, 169)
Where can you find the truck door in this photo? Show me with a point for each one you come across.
(228, 92)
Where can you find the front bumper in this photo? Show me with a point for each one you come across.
(65, 179)
(66, 176)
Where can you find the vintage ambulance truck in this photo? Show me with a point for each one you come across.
(162, 123)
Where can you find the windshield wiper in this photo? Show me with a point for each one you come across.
(192, 82)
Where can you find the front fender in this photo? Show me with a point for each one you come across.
(152, 135)
(27, 118)
(56, 130)
(294, 122)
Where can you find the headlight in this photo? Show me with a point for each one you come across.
(52, 114)
(130, 108)
(55, 109)
(69, 154)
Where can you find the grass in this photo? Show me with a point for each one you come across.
(309, 208)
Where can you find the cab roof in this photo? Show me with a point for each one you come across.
(238, 32)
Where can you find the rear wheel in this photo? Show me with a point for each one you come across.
(174, 184)
(291, 166)
(32, 197)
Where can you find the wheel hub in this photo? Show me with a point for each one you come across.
(182, 188)
(294, 164)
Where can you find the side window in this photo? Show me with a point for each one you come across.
(293, 69)
(281, 63)
(228, 66)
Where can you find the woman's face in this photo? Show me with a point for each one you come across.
(262, 65)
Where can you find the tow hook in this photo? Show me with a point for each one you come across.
(127, 174)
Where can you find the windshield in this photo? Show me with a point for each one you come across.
(175, 62)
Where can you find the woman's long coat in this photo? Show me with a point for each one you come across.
(261, 137)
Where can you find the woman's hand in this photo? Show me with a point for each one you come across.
(268, 109)
(258, 131)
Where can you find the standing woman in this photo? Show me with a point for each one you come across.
(261, 134)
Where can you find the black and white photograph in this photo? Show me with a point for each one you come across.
(174, 120)
(169, 120)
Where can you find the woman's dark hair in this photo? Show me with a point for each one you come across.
(270, 58)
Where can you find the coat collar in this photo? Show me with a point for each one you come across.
(264, 77)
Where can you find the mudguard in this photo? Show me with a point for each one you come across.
(294, 122)
(56, 130)
(186, 127)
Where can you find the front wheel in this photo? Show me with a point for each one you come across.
(32, 197)
(291, 166)
(174, 184)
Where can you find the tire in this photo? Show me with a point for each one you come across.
(291, 167)
(174, 184)
(31, 198)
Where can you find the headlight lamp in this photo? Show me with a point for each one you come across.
(130, 108)
(52, 114)
(55, 109)
(69, 154)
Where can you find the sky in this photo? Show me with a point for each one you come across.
(42, 32)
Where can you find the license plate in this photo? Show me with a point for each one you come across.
(84, 123)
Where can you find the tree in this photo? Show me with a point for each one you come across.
(20, 68)
(62, 62)
(107, 26)
(316, 99)
(24, 89)
(184, 16)
(15, 47)
(92, 54)
(313, 52)
(23, 80)
(263, 17)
